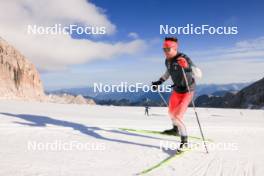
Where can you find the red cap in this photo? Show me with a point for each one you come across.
(169, 44)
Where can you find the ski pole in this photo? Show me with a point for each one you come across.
(163, 98)
(196, 114)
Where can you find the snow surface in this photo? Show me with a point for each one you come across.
(111, 151)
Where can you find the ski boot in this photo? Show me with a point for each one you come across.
(183, 144)
(174, 131)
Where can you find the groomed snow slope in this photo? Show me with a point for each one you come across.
(46, 139)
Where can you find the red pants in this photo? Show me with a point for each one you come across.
(178, 104)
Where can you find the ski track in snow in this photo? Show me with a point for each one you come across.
(212, 164)
(126, 153)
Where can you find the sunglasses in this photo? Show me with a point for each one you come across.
(166, 49)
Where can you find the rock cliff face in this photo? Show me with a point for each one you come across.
(19, 79)
(250, 97)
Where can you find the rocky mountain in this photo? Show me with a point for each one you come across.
(219, 89)
(212, 100)
(18, 77)
(70, 99)
(147, 98)
(250, 97)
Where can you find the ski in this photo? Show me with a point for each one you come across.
(160, 133)
(164, 162)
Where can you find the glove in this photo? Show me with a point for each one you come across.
(182, 62)
(155, 84)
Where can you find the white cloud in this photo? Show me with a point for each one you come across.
(230, 71)
(58, 51)
(243, 62)
(253, 48)
(133, 35)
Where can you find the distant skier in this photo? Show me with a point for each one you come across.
(147, 110)
(180, 96)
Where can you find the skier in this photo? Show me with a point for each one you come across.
(147, 110)
(181, 96)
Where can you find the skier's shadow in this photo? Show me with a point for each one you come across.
(43, 121)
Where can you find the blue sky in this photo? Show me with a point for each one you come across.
(74, 62)
(144, 17)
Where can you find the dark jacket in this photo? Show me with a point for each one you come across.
(175, 71)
